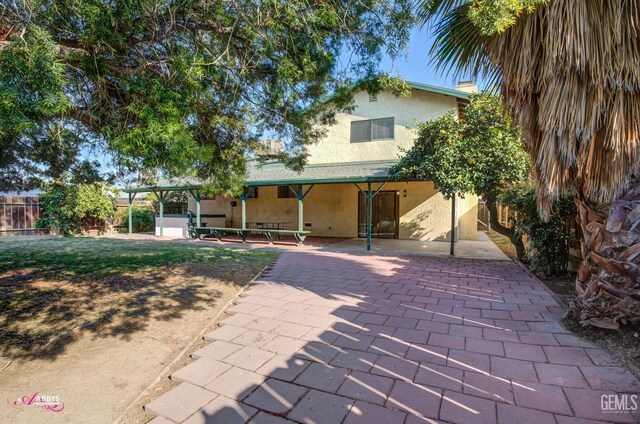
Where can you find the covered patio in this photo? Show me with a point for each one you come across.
(369, 179)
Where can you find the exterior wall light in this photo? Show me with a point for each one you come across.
(404, 192)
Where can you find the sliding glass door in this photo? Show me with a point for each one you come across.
(384, 218)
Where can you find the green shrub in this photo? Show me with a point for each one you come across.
(548, 244)
(71, 206)
(143, 219)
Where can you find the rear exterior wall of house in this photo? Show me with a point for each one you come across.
(331, 210)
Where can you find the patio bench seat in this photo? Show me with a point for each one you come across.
(202, 232)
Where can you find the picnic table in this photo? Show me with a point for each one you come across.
(271, 225)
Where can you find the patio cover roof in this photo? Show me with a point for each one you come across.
(275, 173)
(347, 172)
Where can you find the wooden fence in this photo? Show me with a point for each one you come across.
(483, 216)
(19, 214)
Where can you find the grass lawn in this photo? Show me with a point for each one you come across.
(54, 289)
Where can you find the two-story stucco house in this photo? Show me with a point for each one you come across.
(347, 174)
(346, 167)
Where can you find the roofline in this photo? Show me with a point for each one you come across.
(343, 180)
(414, 85)
(326, 164)
(151, 189)
(273, 183)
(439, 90)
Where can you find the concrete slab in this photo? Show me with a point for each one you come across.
(482, 248)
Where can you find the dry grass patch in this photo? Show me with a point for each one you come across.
(52, 290)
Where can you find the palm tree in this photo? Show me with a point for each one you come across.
(570, 72)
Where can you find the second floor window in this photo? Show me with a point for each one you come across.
(371, 129)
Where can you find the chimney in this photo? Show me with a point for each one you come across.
(467, 87)
(270, 147)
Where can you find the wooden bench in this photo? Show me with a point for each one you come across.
(202, 232)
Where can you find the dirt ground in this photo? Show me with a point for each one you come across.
(503, 243)
(98, 340)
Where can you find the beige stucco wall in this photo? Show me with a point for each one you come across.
(421, 106)
(467, 212)
(331, 210)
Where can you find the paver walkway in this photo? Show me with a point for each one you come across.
(328, 337)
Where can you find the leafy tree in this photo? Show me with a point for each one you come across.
(569, 72)
(480, 154)
(69, 205)
(185, 87)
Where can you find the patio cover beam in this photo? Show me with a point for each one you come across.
(151, 189)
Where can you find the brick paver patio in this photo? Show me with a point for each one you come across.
(327, 337)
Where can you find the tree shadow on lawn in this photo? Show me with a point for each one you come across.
(43, 310)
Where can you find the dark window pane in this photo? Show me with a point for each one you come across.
(382, 128)
(284, 192)
(360, 131)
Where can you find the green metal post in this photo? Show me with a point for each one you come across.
(453, 226)
(244, 213)
(198, 223)
(161, 201)
(130, 214)
(369, 213)
(300, 209)
(243, 197)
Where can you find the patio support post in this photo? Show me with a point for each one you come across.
(196, 196)
(198, 221)
(132, 196)
(161, 201)
(369, 195)
(453, 226)
(244, 211)
(243, 198)
(300, 210)
(369, 213)
(300, 195)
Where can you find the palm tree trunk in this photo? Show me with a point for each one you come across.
(608, 282)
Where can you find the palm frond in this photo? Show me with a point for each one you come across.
(571, 71)
(431, 11)
(459, 49)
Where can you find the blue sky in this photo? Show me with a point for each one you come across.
(415, 67)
